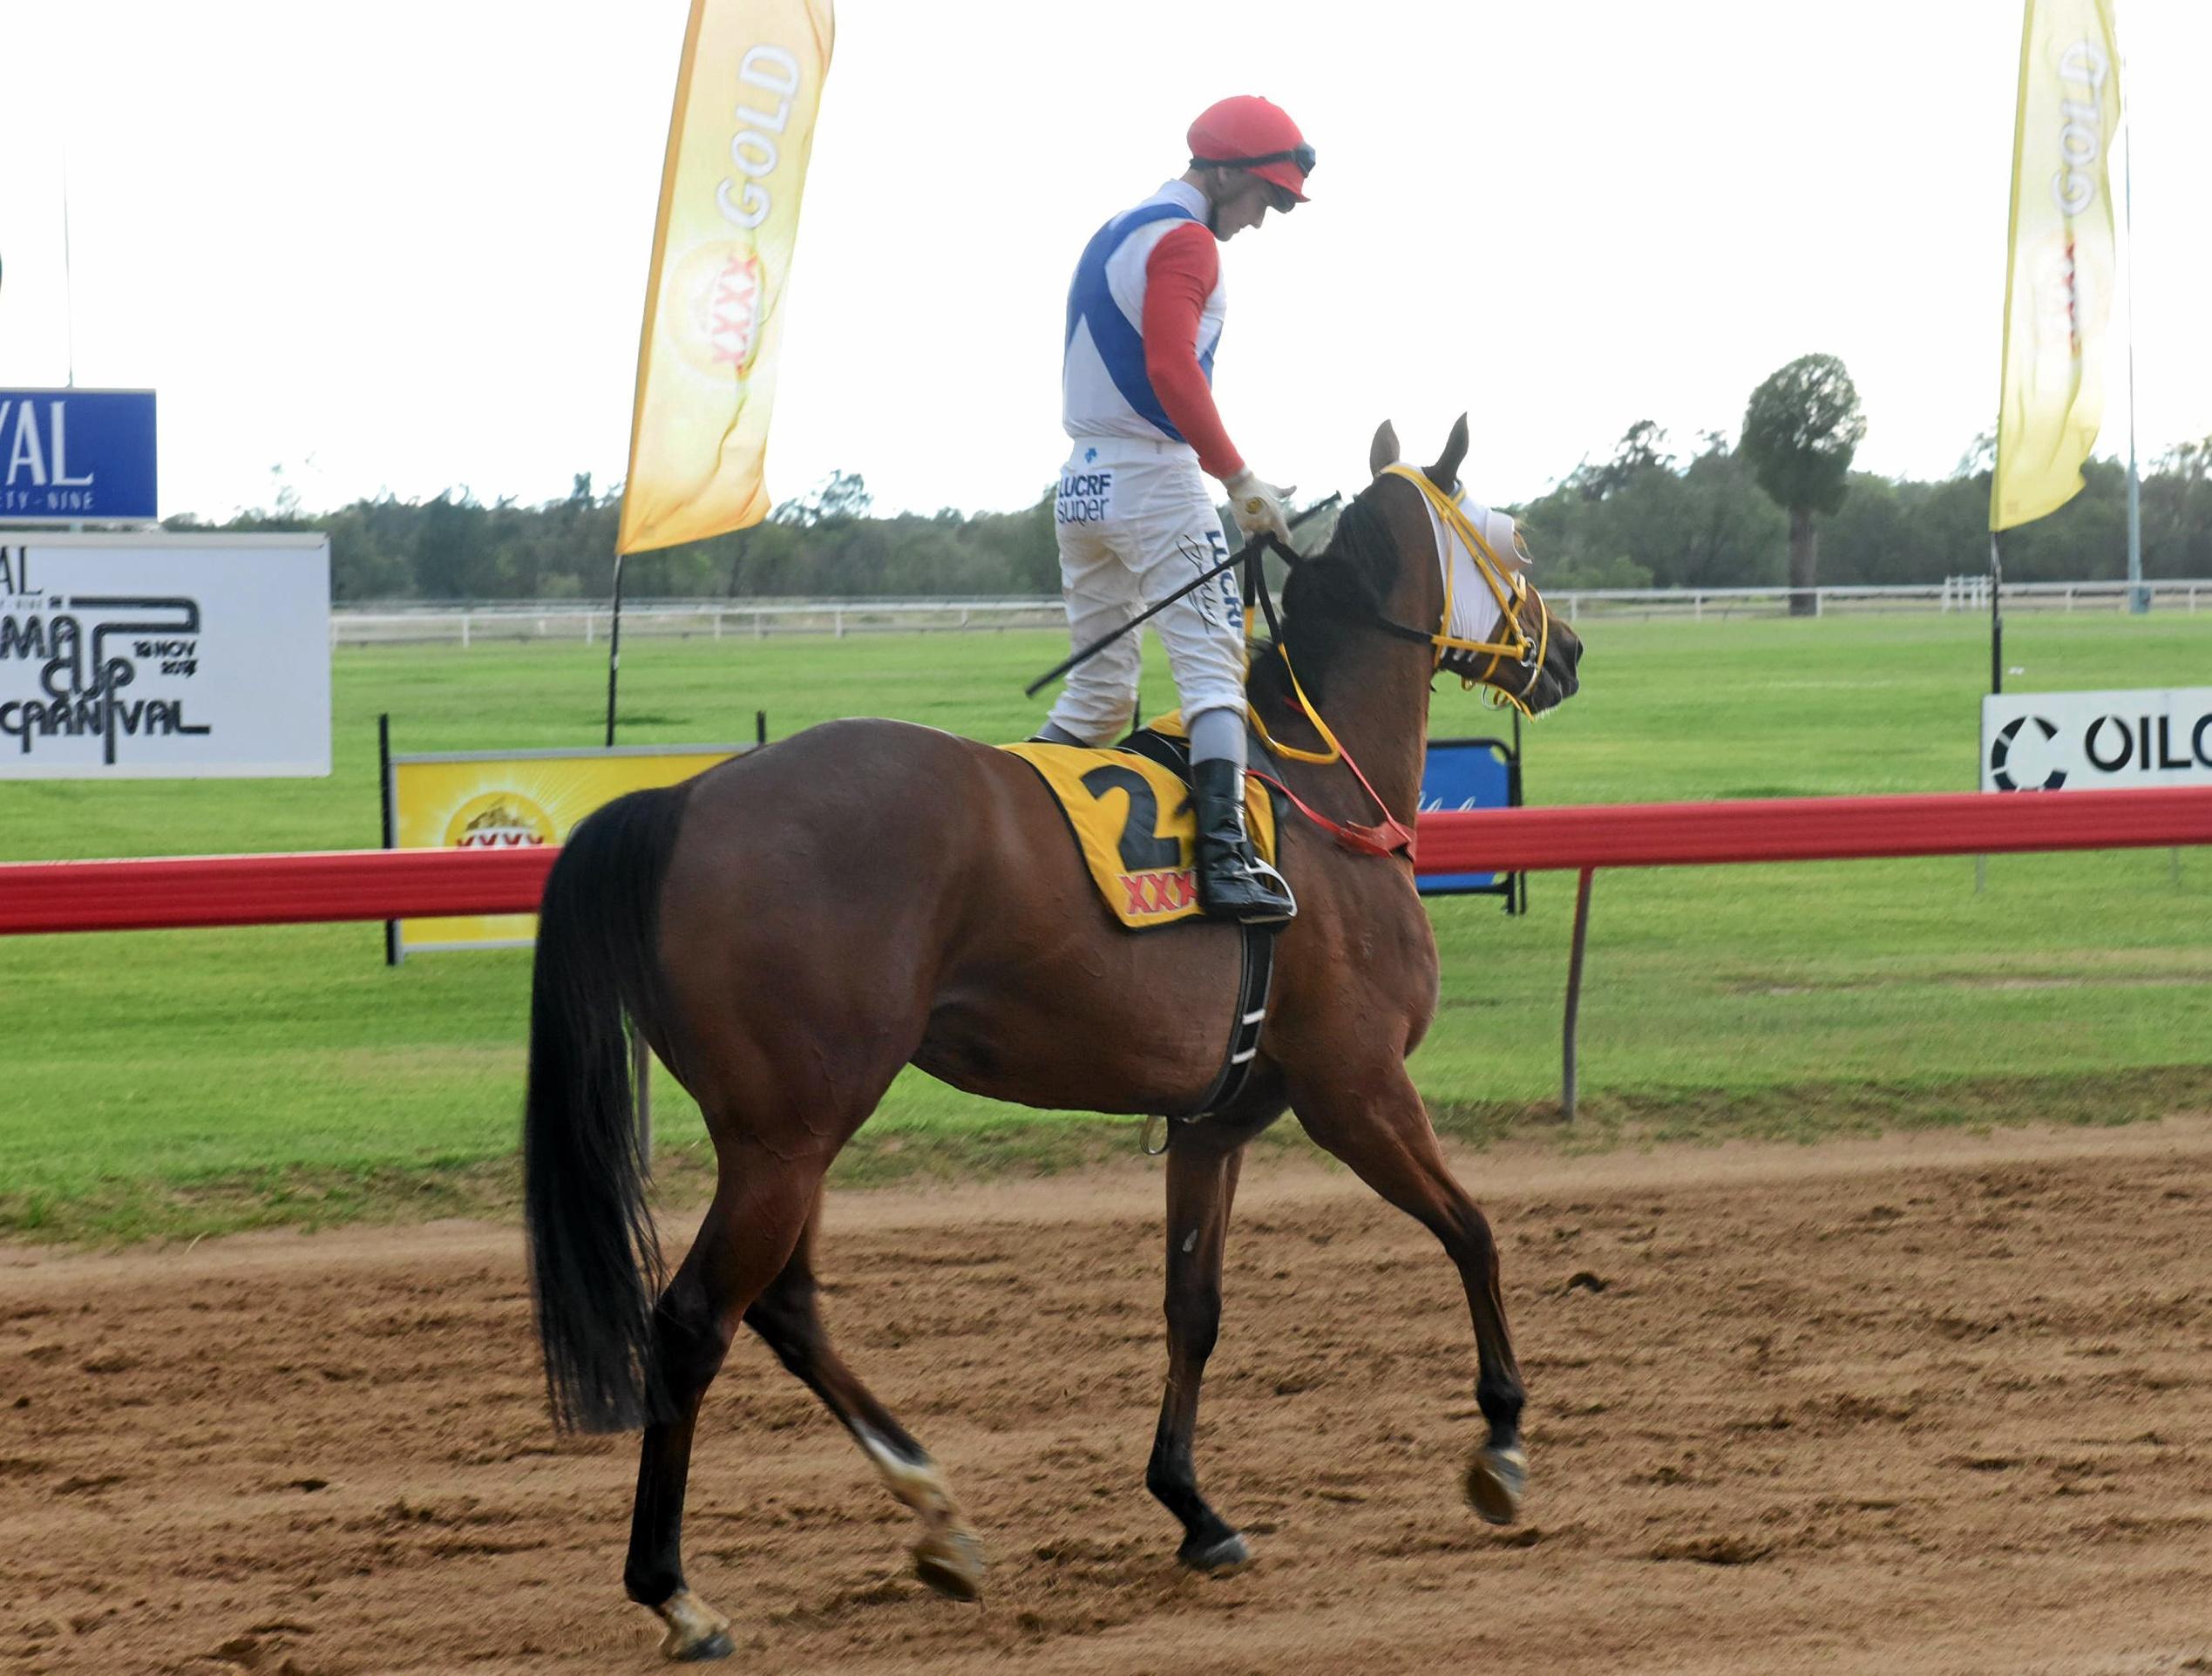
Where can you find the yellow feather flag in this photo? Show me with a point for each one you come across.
(2058, 271)
(746, 97)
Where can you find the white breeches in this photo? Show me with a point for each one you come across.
(1135, 521)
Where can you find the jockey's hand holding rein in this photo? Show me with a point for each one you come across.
(1258, 506)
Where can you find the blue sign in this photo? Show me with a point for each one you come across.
(77, 457)
(1464, 774)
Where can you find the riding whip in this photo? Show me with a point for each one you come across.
(1249, 552)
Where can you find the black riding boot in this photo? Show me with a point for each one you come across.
(1233, 883)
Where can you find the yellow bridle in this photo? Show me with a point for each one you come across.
(1506, 586)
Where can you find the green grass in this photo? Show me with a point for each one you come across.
(171, 1081)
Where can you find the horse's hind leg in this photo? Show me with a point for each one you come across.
(949, 1557)
(1376, 1123)
(1201, 1183)
(758, 1214)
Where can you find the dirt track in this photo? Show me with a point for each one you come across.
(1922, 1404)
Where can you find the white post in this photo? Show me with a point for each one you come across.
(587, 627)
(465, 631)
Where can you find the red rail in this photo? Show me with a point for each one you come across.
(1813, 829)
(53, 896)
(273, 889)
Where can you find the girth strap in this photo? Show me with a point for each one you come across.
(1251, 1017)
(1256, 982)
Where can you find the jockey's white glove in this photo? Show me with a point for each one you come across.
(1258, 506)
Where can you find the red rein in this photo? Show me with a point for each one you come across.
(1390, 836)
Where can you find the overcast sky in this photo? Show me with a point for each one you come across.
(400, 247)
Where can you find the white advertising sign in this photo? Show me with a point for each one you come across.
(2069, 742)
(152, 655)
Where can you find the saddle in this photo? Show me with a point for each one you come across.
(1128, 808)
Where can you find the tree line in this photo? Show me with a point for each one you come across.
(823, 543)
(1645, 519)
(1777, 505)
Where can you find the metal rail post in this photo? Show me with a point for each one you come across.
(613, 650)
(1574, 993)
(390, 827)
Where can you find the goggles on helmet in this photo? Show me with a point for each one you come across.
(1302, 156)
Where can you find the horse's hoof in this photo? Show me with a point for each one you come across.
(717, 1645)
(1221, 1554)
(952, 1563)
(697, 1630)
(1496, 1481)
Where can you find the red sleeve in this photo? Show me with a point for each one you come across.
(1179, 276)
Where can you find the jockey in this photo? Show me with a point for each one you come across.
(1133, 512)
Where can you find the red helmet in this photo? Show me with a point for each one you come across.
(1249, 133)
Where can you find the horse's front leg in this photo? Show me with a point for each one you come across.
(1372, 1118)
(1202, 1165)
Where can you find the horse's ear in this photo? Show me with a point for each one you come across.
(1383, 450)
(1445, 472)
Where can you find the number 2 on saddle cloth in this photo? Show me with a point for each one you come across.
(1133, 821)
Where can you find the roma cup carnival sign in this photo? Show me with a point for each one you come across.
(161, 656)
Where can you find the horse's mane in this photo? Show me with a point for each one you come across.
(1325, 597)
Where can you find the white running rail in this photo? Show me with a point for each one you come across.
(466, 623)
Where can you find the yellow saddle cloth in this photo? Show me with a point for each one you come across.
(1134, 822)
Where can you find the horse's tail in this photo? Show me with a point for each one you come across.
(595, 1263)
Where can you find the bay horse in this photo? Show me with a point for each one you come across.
(792, 928)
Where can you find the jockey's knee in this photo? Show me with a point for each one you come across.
(1208, 661)
(1234, 708)
(1210, 688)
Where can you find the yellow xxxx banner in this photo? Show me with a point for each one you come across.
(747, 92)
(2059, 265)
(513, 800)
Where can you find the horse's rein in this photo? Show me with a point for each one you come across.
(1527, 651)
(1392, 834)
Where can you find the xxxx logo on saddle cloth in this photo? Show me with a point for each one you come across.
(1133, 821)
